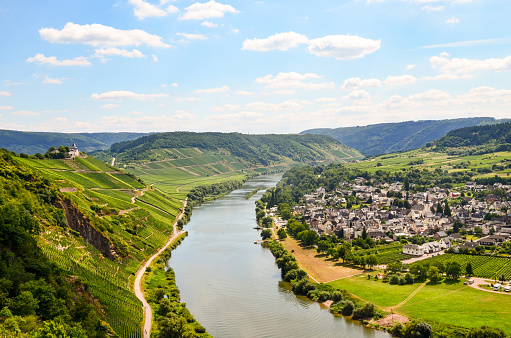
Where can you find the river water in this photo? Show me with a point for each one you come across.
(233, 287)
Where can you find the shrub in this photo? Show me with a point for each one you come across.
(347, 309)
(409, 278)
(397, 329)
(365, 311)
(323, 296)
(337, 296)
(394, 279)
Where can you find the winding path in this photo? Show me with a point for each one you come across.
(148, 313)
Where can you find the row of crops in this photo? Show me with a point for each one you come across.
(483, 266)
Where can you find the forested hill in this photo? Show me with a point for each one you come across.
(498, 134)
(39, 142)
(386, 138)
(255, 149)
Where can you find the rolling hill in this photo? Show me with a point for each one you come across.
(387, 138)
(39, 142)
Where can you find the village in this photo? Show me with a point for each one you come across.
(469, 223)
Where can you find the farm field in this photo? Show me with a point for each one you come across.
(385, 253)
(439, 303)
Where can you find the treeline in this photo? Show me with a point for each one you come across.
(259, 149)
(204, 193)
(498, 135)
(36, 296)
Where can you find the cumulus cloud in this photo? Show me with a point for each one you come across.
(402, 80)
(135, 53)
(124, 94)
(294, 80)
(286, 105)
(49, 80)
(431, 95)
(52, 60)
(5, 93)
(222, 89)
(433, 8)
(225, 107)
(98, 35)
(343, 47)
(356, 83)
(244, 92)
(280, 41)
(209, 24)
(457, 65)
(25, 113)
(410, 67)
(202, 11)
(110, 106)
(144, 9)
(6, 108)
(359, 96)
(241, 115)
(486, 94)
(453, 20)
(190, 36)
(155, 58)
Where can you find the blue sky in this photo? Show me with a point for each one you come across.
(250, 66)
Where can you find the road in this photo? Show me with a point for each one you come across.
(478, 281)
(148, 313)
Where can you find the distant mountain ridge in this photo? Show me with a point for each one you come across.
(256, 149)
(39, 142)
(476, 136)
(387, 138)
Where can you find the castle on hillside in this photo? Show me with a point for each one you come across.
(73, 151)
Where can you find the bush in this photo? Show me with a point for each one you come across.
(394, 279)
(486, 332)
(323, 296)
(365, 311)
(417, 329)
(397, 329)
(402, 280)
(347, 309)
(409, 278)
(337, 296)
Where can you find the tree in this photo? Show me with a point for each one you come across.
(419, 270)
(439, 209)
(468, 269)
(407, 184)
(372, 260)
(282, 233)
(486, 332)
(453, 269)
(364, 234)
(395, 266)
(447, 209)
(266, 234)
(433, 274)
(348, 308)
(59, 329)
(417, 329)
(173, 326)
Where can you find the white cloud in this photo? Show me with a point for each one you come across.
(52, 60)
(485, 94)
(410, 67)
(293, 80)
(326, 99)
(155, 58)
(222, 89)
(280, 41)
(49, 80)
(235, 30)
(145, 10)
(187, 99)
(241, 115)
(356, 83)
(135, 53)
(209, 24)
(283, 92)
(431, 95)
(5, 93)
(453, 20)
(25, 113)
(395, 101)
(460, 66)
(286, 105)
(190, 36)
(98, 35)
(110, 106)
(211, 9)
(359, 96)
(175, 85)
(433, 8)
(225, 107)
(402, 80)
(124, 94)
(343, 47)
(244, 92)
(6, 108)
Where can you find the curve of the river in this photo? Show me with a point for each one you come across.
(233, 287)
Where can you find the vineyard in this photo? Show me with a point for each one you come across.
(483, 266)
(385, 253)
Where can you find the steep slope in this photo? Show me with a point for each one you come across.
(39, 142)
(386, 138)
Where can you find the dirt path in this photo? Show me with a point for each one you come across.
(148, 313)
(409, 297)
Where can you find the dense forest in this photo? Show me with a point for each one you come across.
(485, 138)
(257, 149)
(38, 142)
(35, 295)
(387, 138)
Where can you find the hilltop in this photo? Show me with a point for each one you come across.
(38, 142)
(387, 138)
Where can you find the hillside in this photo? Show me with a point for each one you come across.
(93, 222)
(39, 142)
(492, 136)
(387, 138)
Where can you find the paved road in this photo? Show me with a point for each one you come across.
(478, 281)
(148, 314)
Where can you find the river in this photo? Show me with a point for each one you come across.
(233, 287)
